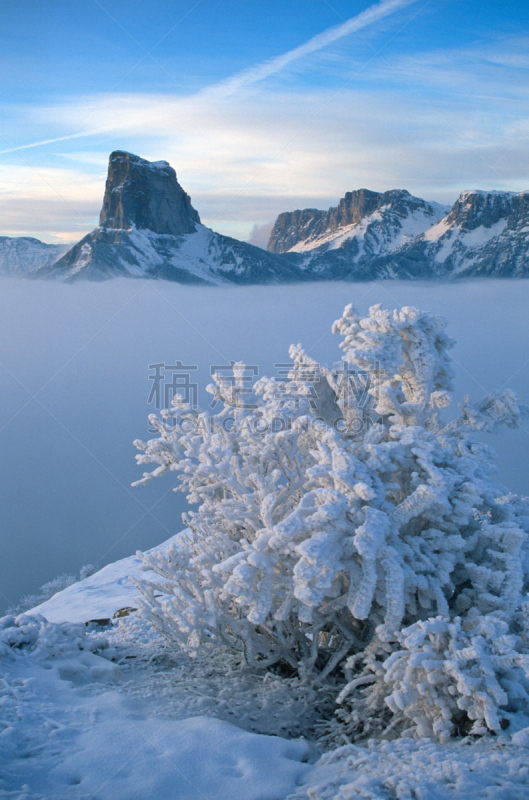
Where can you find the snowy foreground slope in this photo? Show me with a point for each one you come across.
(99, 596)
(75, 727)
(122, 716)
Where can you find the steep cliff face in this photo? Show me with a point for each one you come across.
(474, 209)
(378, 220)
(145, 195)
(292, 227)
(148, 228)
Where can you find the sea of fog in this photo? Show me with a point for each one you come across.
(75, 381)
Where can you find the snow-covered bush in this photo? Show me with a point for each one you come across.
(336, 508)
(33, 634)
(451, 676)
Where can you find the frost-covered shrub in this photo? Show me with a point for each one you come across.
(338, 509)
(451, 676)
(32, 633)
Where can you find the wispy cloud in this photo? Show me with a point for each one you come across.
(431, 122)
(67, 137)
(243, 163)
(257, 73)
(52, 204)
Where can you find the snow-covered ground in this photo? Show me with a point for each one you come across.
(72, 728)
(101, 595)
(117, 714)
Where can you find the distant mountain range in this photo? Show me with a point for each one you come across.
(395, 235)
(149, 228)
(23, 254)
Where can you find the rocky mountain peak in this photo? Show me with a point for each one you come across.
(145, 195)
(475, 208)
(292, 227)
(352, 208)
(310, 225)
(148, 228)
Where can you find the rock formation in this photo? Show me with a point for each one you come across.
(485, 234)
(401, 236)
(149, 229)
(474, 209)
(145, 195)
(309, 229)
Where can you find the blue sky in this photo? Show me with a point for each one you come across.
(261, 106)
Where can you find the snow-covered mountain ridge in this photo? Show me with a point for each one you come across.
(483, 234)
(21, 254)
(201, 257)
(148, 228)
(380, 222)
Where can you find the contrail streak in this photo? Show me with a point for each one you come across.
(49, 141)
(261, 71)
